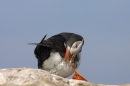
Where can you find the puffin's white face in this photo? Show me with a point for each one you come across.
(76, 47)
(72, 51)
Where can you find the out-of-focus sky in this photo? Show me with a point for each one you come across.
(104, 24)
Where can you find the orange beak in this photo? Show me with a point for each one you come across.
(71, 58)
(67, 54)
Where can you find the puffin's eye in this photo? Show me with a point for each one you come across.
(76, 45)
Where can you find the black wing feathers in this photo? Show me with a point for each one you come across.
(42, 53)
(43, 49)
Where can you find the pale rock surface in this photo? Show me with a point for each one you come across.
(38, 77)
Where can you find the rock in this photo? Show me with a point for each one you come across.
(38, 77)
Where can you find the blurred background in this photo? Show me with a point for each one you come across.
(104, 24)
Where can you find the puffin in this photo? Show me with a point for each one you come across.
(60, 54)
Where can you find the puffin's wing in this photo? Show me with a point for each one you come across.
(43, 43)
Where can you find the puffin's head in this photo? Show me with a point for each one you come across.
(73, 46)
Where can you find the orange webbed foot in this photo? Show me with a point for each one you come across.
(77, 75)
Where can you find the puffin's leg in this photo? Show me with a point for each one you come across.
(77, 75)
